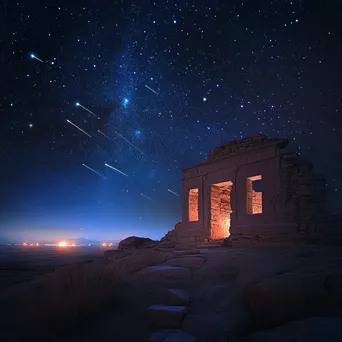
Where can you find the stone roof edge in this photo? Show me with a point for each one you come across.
(279, 142)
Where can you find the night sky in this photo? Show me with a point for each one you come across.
(154, 86)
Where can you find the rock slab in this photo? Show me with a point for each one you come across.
(177, 297)
(186, 261)
(317, 329)
(166, 316)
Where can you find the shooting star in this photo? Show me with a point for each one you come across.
(116, 169)
(33, 56)
(77, 104)
(149, 198)
(172, 192)
(137, 148)
(89, 168)
(151, 89)
(79, 128)
(106, 136)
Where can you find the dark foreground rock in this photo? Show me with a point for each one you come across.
(317, 329)
(177, 297)
(334, 286)
(186, 261)
(165, 316)
(171, 335)
(134, 260)
(134, 242)
(288, 297)
(217, 313)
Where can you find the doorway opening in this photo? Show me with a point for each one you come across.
(220, 210)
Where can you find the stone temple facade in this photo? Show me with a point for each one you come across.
(250, 189)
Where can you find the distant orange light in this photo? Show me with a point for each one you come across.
(24, 244)
(37, 244)
(73, 245)
(62, 244)
(104, 245)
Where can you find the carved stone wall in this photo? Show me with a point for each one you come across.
(302, 190)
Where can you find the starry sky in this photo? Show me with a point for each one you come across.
(152, 87)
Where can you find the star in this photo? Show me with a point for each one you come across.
(125, 102)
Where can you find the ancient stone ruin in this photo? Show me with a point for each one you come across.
(249, 189)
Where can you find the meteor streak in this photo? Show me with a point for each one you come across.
(89, 168)
(137, 148)
(79, 128)
(106, 136)
(89, 111)
(172, 192)
(116, 169)
(151, 89)
(129, 142)
(33, 56)
(149, 198)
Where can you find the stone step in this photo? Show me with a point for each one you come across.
(164, 267)
(177, 297)
(162, 335)
(166, 316)
(171, 335)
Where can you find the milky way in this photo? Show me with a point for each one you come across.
(158, 85)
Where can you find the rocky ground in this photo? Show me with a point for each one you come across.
(253, 293)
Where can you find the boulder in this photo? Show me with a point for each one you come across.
(170, 236)
(316, 329)
(177, 297)
(166, 316)
(134, 242)
(288, 297)
(186, 261)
